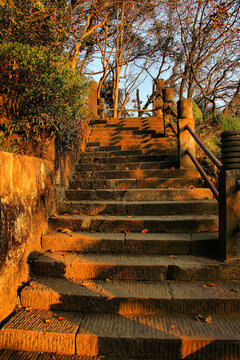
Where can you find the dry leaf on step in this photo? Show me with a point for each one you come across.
(47, 321)
(199, 317)
(65, 231)
(144, 231)
(208, 320)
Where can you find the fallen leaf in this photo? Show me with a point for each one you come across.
(208, 320)
(47, 321)
(126, 168)
(172, 168)
(206, 286)
(66, 231)
(144, 231)
(173, 327)
(93, 231)
(60, 318)
(108, 280)
(78, 188)
(173, 256)
(234, 290)
(199, 317)
(126, 232)
(191, 187)
(28, 308)
(129, 216)
(66, 214)
(31, 284)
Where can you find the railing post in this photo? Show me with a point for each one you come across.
(168, 100)
(185, 140)
(101, 108)
(158, 103)
(92, 100)
(229, 196)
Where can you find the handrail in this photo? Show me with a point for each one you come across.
(127, 110)
(205, 149)
(204, 175)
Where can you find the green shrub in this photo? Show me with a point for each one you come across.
(42, 98)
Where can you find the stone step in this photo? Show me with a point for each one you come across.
(131, 297)
(137, 174)
(132, 243)
(26, 355)
(140, 207)
(123, 336)
(154, 224)
(149, 267)
(126, 166)
(111, 154)
(138, 146)
(139, 194)
(177, 183)
(93, 160)
(142, 141)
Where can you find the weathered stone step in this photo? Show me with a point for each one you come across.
(178, 183)
(139, 194)
(155, 224)
(137, 174)
(164, 151)
(133, 267)
(132, 243)
(26, 355)
(124, 336)
(138, 146)
(126, 166)
(92, 160)
(131, 297)
(141, 207)
(104, 142)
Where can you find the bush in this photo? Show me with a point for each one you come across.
(42, 98)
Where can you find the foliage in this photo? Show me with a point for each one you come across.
(41, 98)
(228, 122)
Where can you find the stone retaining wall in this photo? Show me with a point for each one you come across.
(26, 199)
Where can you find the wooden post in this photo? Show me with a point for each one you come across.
(159, 97)
(92, 100)
(185, 141)
(229, 196)
(101, 108)
(168, 100)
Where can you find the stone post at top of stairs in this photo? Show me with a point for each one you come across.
(185, 140)
(100, 108)
(229, 196)
(92, 99)
(168, 100)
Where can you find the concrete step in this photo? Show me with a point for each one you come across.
(126, 166)
(154, 224)
(149, 267)
(139, 194)
(130, 297)
(132, 243)
(178, 183)
(124, 336)
(140, 207)
(93, 160)
(137, 174)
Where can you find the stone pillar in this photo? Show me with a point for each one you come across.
(185, 141)
(92, 100)
(168, 100)
(101, 108)
(229, 196)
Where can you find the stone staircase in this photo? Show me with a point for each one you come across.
(127, 269)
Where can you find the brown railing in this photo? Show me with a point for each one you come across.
(199, 167)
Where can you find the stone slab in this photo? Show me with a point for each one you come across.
(133, 267)
(28, 331)
(140, 194)
(136, 183)
(154, 224)
(141, 207)
(126, 166)
(153, 337)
